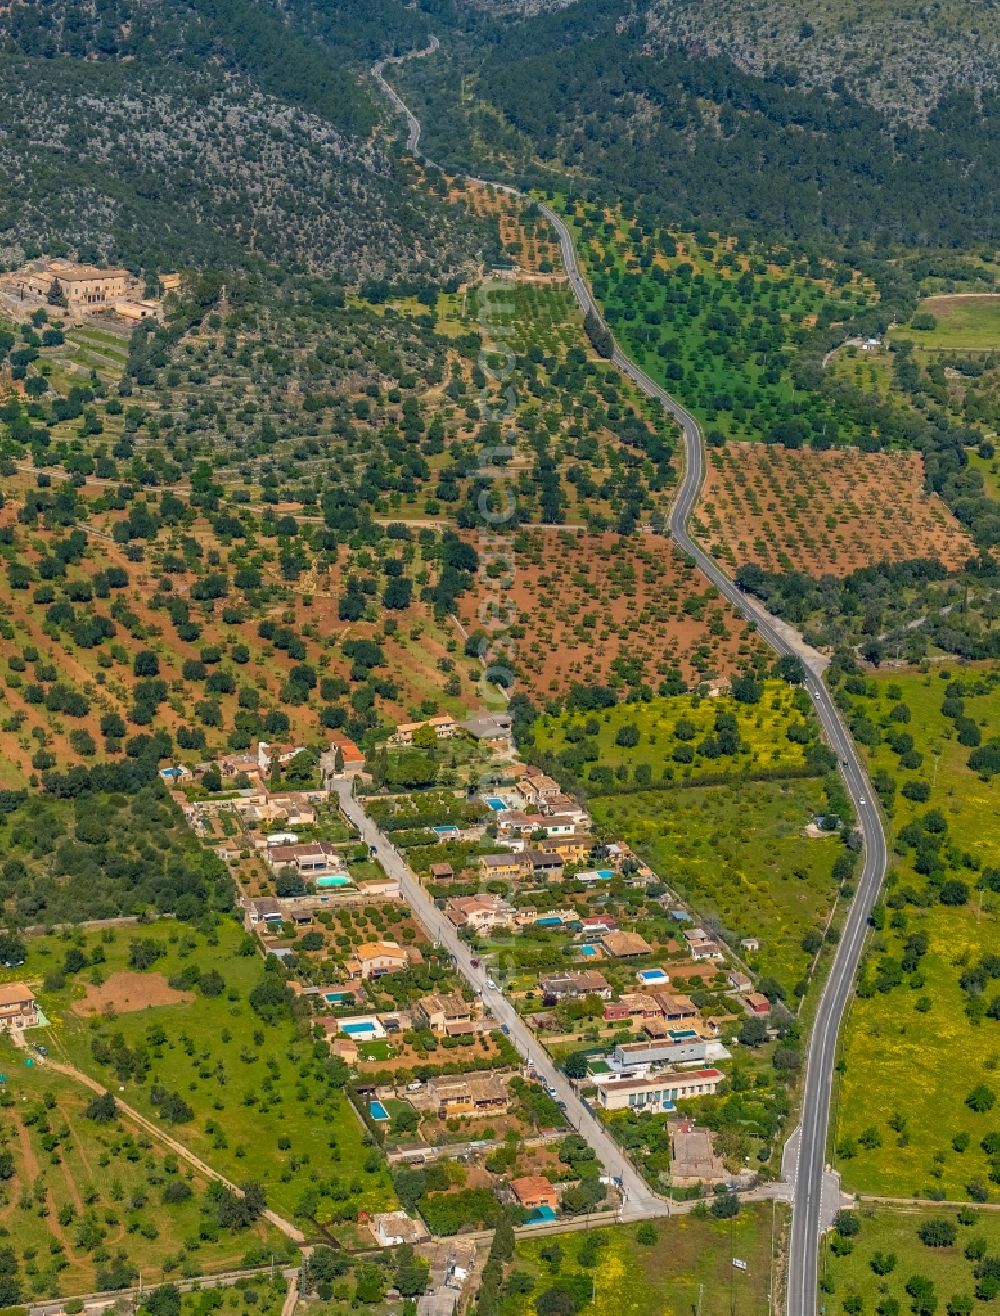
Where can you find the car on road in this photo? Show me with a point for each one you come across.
(474, 963)
(490, 983)
(505, 1029)
(862, 801)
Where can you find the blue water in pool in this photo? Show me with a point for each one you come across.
(377, 1111)
(358, 1030)
(496, 804)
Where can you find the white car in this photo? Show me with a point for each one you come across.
(491, 984)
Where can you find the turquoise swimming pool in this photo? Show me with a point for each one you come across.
(333, 880)
(377, 1111)
(649, 976)
(337, 998)
(359, 1030)
(588, 952)
(541, 1215)
(496, 804)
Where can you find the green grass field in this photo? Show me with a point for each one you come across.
(82, 1191)
(687, 1270)
(894, 1233)
(737, 852)
(964, 320)
(263, 1107)
(912, 1051)
(871, 372)
(762, 730)
(989, 468)
(258, 1295)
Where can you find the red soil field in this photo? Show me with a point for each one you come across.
(823, 513)
(128, 992)
(414, 654)
(581, 608)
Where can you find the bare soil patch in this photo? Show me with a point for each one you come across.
(128, 992)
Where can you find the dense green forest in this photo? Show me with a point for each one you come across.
(698, 141)
(86, 849)
(301, 52)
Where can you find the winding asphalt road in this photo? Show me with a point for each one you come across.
(811, 1136)
(808, 1143)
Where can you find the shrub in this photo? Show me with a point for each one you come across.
(981, 1099)
(938, 1233)
(847, 1224)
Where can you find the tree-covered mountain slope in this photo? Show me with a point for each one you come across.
(213, 132)
(897, 56)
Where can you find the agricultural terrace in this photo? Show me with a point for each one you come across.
(344, 408)
(89, 1198)
(955, 321)
(923, 1035)
(228, 1069)
(589, 448)
(823, 512)
(766, 728)
(215, 630)
(628, 612)
(674, 1266)
(718, 323)
(525, 234)
(908, 1257)
(741, 856)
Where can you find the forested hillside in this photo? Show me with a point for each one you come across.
(697, 141)
(896, 56)
(212, 134)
